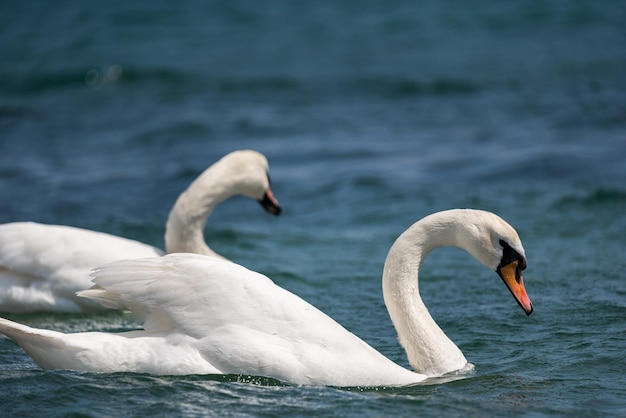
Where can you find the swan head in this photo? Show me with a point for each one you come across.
(497, 245)
(247, 173)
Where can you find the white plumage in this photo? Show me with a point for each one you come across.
(206, 315)
(43, 266)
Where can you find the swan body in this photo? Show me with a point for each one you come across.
(43, 266)
(204, 315)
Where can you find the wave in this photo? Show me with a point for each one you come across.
(378, 85)
(391, 86)
(74, 78)
(599, 197)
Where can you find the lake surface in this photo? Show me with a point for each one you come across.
(371, 116)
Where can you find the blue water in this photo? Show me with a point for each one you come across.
(372, 116)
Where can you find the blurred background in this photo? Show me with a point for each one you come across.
(108, 111)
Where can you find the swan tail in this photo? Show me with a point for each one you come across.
(14, 330)
(40, 344)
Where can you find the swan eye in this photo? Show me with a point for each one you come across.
(509, 255)
(269, 180)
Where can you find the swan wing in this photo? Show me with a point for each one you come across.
(242, 321)
(42, 266)
(196, 293)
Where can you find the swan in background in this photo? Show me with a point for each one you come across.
(203, 315)
(43, 266)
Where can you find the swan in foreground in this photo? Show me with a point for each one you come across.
(206, 316)
(43, 266)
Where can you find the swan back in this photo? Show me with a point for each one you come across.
(242, 321)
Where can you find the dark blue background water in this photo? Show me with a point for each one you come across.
(372, 115)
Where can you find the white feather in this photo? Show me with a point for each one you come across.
(219, 317)
(43, 266)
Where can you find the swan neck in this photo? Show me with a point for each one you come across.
(184, 231)
(428, 349)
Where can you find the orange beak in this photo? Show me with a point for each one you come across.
(512, 277)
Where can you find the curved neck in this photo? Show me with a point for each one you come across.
(184, 231)
(428, 349)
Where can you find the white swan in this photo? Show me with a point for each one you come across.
(43, 266)
(204, 315)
